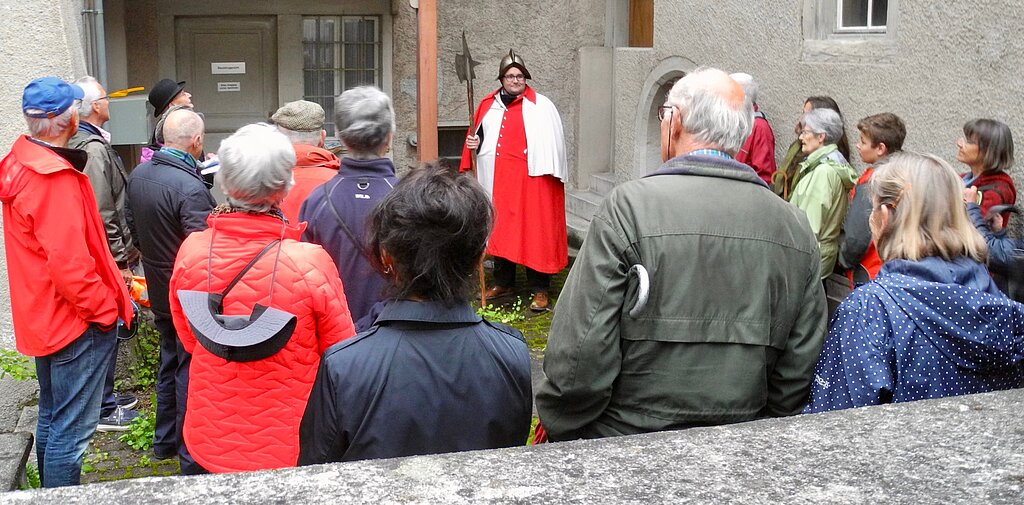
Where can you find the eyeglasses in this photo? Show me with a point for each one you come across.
(104, 97)
(805, 131)
(665, 111)
(513, 78)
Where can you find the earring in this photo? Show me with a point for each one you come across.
(387, 269)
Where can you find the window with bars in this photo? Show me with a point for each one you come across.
(861, 15)
(339, 53)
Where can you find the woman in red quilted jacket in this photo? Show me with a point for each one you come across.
(244, 408)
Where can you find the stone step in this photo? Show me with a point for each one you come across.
(581, 203)
(577, 230)
(603, 183)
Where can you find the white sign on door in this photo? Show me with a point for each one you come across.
(227, 67)
(228, 86)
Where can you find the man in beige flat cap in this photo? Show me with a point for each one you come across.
(303, 123)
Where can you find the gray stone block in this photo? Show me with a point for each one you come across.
(14, 449)
(967, 449)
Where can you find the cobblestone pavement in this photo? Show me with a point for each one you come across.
(108, 458)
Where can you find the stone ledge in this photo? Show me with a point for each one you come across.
(14, 449)
(967, 449)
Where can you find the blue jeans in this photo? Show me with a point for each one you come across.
(171, 396)
(70, 386)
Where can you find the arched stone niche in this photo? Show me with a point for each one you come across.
(647, 154)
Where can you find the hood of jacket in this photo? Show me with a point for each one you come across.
(830, 156)
(28, 155)
(313, 156)
(959, 309)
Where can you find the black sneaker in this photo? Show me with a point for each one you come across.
(125, 400)
(119, 420)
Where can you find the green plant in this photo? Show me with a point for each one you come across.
(533, 429)
(92, 458)
(502, 315)
(16, 365)
(32, 480)
(140, 432)
(147, 354)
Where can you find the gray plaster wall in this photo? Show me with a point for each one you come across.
(947, 62)
(37, 38)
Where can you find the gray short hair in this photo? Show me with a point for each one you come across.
(708, 116)
(825, 121)
(304, 138)
(45, 127)
(181, 131)
(365, 119)
(750, 87)
(256, 167)
(91, 87)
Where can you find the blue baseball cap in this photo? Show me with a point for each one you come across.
(49, 97)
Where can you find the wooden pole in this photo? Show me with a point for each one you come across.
(426, 81)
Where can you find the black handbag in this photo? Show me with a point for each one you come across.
(237, 338)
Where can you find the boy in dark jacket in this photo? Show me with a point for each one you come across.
(880, 135)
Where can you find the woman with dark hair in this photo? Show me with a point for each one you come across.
(245, 274)
(932, 323)
(430, 376)
(784, 179)
(986, 147)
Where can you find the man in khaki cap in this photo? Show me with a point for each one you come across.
(303, 123)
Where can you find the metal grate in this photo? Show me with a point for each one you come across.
(339, 53)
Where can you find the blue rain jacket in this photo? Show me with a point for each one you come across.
(921, 329)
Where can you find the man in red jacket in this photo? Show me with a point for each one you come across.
(302, 122)
(758, 150)
(67, 293)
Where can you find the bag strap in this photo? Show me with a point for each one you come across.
(245, 269)
(341, 222)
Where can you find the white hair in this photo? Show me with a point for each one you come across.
(91, 87)
(825, 121)
(750, 87)
(256, 167)
(303, 138)
(45, 127)
(707, 116)
(365, 119)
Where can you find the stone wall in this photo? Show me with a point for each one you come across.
(968, 449)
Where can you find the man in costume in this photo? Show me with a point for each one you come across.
(521, 163)
(696, 298)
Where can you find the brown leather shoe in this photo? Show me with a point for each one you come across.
(540, 302)
(498, 292)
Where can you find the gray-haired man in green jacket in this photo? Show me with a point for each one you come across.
(695, 299)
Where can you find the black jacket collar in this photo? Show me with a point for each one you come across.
(427, 312)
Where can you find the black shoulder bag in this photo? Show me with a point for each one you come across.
(237, 338)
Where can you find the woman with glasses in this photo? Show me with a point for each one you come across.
(822, 181)
(782, 179)
(932, 323)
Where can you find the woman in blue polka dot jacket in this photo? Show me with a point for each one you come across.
(932, 323)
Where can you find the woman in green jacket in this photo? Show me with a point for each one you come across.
(823, 181)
